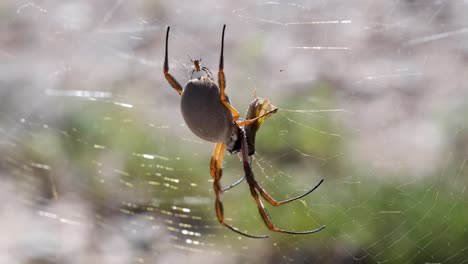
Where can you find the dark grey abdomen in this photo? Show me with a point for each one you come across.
(203, 111)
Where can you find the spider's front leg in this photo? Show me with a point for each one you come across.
(222, 82)
(222, 88)
(172, 81)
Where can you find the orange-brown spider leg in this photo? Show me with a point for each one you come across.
(219, 161)
(219, 167)
(272, 201)
(222, 82)
(214, 158)
(172, 81)
(266, 218)
(217, 189)
(253, 191)
(250, 121)
(220, 213)
(216, 162)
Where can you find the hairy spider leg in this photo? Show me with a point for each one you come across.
(254, 187)
(172, 81)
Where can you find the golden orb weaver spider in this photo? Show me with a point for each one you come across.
(209, 114)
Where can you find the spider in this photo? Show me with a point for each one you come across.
(197, 67)
(209, 114)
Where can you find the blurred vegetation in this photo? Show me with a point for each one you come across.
(133, 161)
(371, 216)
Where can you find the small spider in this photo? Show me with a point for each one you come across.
(197, 67)
(209, 114)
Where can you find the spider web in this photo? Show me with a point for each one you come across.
(98, 167)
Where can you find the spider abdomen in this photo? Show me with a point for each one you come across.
(203, 111)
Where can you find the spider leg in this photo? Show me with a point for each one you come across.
(250, 121)
(220, 214)
(272, 201)
(222, 81)
(233, 185)
(191, 75)
(216, 162)
(253, 191)
(219, 161)
(207, 71)
(214, 159)
(172, 81)
(266, 218)
(217, 189)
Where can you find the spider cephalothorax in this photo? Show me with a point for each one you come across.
(209, 114)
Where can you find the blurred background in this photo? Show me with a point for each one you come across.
(97, 165)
